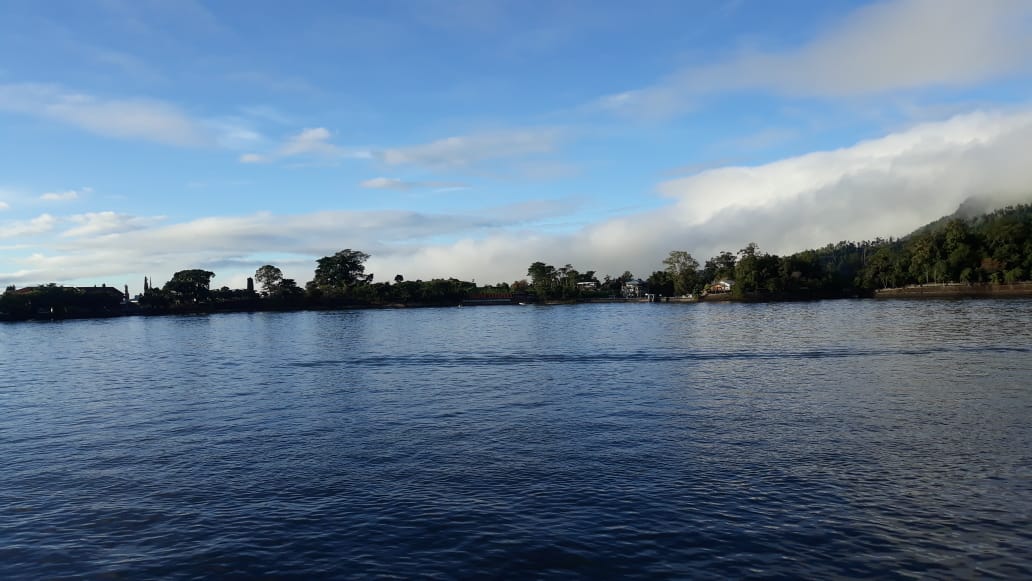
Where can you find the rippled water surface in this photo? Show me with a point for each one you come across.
(817, 440)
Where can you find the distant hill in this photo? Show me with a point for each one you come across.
(970, 211)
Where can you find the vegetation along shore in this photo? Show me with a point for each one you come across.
(985, 255)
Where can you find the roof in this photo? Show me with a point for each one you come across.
(90, 290)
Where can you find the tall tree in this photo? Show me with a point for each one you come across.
(342, 271)
(661, 283)
(683, 270)
(719, 267)
(747, 277)
(543, 278)
(270, 278)
(587, 276)
(190, 286)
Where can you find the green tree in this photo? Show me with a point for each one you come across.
(14, 305)
(587, 276)
(190, 286)
(543, 278)
(922, 258)
(342, 271)
(746, 269)
(661, 283)
(956, 234)
(270, 278)
(719, 267)
(683, 270)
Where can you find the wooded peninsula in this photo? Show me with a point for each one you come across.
(974, 252)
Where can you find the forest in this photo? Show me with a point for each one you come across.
(991, 248)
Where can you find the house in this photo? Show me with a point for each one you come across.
(93, 291)
(634, 288)
(721, 286)
(103, 291)
(587, 285)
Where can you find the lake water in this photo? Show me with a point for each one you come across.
(815, 440)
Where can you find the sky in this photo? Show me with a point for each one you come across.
(470, 138)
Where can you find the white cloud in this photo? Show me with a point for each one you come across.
(234, 133)
(60, 196)
(451, 152)
(102, 223)
(657, 102)
(38, 225)
(936, 165)
(310, 142)
(465, 150)
(878, 48)
(4, 205)
(253, 158)
(65, 196)
(382, 183)
(314, 140)
(386, 184)
(143, 119)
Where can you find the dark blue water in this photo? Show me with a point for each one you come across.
(816, 440)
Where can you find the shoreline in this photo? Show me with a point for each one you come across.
(977, 291)
(957, 290)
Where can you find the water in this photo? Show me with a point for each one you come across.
(815, 440)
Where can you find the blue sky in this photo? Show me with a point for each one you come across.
(470, 138)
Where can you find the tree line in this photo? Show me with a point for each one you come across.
(993, 248)
(339, 280)
(990, 248)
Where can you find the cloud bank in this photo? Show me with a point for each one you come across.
(882, 47)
